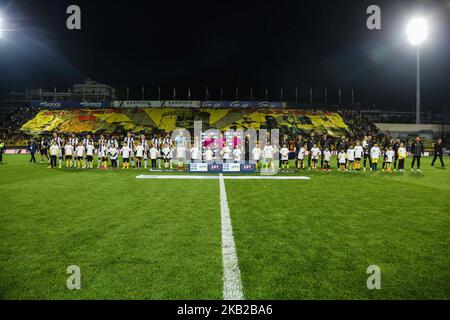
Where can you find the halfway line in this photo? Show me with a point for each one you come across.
(232, 285)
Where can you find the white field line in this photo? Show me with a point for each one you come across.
(214, 177)
(232, 285)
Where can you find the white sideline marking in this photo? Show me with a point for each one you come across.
(232, 285)
(190, 177)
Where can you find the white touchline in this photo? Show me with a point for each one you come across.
(214, 177)
(232, 285)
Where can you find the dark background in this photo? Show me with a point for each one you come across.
(229, 44)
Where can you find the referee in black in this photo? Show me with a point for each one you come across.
(438, 153)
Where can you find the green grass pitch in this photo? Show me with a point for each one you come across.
(161, 239)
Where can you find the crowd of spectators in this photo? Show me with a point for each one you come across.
(359, 125)
(11, 120)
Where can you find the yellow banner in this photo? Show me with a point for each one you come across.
(168, 119)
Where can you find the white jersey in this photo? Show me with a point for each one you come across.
(327, 156)
(73, 142)
(226, 152)
(80, 151)
(209, 155)
(112, 143)
(237, 154)
(101, 144)
(195, 153)
(113, 153)
(351, 154)
(68, 150)
(284, 152)
(359, 151)
(58, 141)
(375, 152)
(129, 142)
(103, 153)
(54, 150)
(390, 155)
(166, 152)
(256, 153)
(180, 151)
(365, 144)
(341, 157)
(126, 151)
(268, 152)
(139, 151)
(401, 153)
(315, 152)
(153, 153)
(301, 153)
(90, 150)
(144, 143)
(86, 142)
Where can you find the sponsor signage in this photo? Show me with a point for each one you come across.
(222, 168)
(231, 167)
(243, 104)
(215, 168)
(157, 104)
(198, 167)
(69, 104)
(248, 168)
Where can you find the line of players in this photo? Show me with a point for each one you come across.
(354, 158)
(137, 151)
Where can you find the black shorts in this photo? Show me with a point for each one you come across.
(68, 157)
(104, 159)
(44, 151)
(126, 160)
(89, 158)
(315, 160)
(139, 158)
(79, 158)
(357, 159)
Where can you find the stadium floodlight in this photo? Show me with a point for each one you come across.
(417, 32)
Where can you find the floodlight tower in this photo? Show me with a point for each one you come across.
(417, 32)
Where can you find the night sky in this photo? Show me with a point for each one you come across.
(229, 44)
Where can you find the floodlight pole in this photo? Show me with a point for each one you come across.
(418, 88)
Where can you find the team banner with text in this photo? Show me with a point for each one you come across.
(154, 120)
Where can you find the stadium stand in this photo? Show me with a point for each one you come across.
(15, 116)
